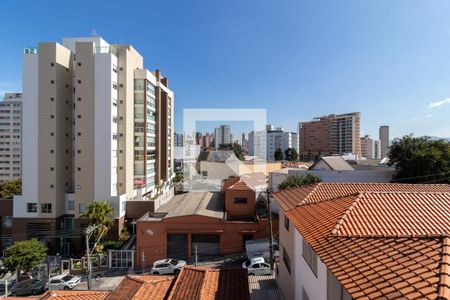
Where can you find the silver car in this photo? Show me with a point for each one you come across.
(167, 266)
(259, 268)
(64, 282)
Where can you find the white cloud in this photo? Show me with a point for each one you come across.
(439, 103)
(423, 117)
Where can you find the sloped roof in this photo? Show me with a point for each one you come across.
(142, 288)
(250, 182)
(211, 284)
(290, 198)
(74, 295)
(382, 244)
(336, 163)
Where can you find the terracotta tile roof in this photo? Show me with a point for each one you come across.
(382, 244)
(142, 287)
(211, 284)
(239, 186)
(75, 295)
(290, 198)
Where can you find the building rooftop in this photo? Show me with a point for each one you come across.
(142, 288)
(336, 163)
(392, 243)
(291, 198)
(209, 204)
(74, 295)
(253, 182)
(211, 284)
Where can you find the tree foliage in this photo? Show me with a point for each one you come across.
(179, 177)
(299, 180)
(235, 147)
(291, 154)
(10, 188)
(420, 160)
(278, 155)
(99, 213)
(24, 256)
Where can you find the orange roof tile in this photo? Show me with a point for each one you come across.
(75, 295)
(290, 198)
(239, 186)
(211, 284)
(142, 287)
(391, 243)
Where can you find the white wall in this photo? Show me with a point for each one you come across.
(29, 138)
(315, 286)
(105, 147)
(375, 176)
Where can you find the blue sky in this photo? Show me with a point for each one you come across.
(387, 59)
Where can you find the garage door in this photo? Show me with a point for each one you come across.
(177, 246)
(207, 244)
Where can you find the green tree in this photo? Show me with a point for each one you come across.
(179, 177)
(278, 155)
(24, 256)
(420, 160)
(299, 180)
(235, 147)
(291, 154)
(99, 213)
(10, 188)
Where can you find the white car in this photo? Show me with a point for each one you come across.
(63, 282)
(248, 262)
(259, 268)
(167, 266)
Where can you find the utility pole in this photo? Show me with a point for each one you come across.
(142, 262)
(6, 288)
(48, 269)
(89, 230)
(196, 257)
(270, 229)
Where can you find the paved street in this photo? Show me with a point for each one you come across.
(104, 283)
(263, 288)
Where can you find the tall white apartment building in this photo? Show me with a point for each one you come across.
(367, 147)
(11, 137)
(97, 126)
(222, 135)
(384, 138)
(274, 141)
(257, 144)
(290, 140)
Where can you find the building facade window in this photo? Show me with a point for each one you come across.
(286, 260)
(286, 223)
(46, 207)
(82, 207)
(71, 205)
(310, 257)
(31, 207)
(240, 200)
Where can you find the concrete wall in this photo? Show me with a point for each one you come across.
(287, 280)
(240, 209)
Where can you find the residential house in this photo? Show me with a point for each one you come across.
(364, 241)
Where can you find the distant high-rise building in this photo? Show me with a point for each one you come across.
(178, 139)
(377, 149)
(367, 147)
(332, 134)
(97, 126)
(11, 137)
(244, 143)
(257, 144)
(384, 138)
(222, 135)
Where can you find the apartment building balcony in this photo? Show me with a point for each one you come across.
(30, 50)
(105, 50)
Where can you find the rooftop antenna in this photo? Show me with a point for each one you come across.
(93, 32)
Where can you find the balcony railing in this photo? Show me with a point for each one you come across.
(30, 50)
(107, 49)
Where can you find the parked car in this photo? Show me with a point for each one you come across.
(3, 287)
(64, 282)
(29, 287)
(259, 268)
(252, 260)
(167, 266)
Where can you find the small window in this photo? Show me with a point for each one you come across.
(71, 205)
(78, 151)
(82, 207)
(79, 98)
(286, 223)
(46, 207)
(240, 200)
(52, 186)
(52, 169)
(52, 133)
(79, 133)
(79, 116)
(79, 64)
(52, 99)
(52, 81)
(52, 64)
(31, 207)
(52, 116)
(286, 260)
(52, 151)
(205, 173)
(310, 257)
(79, 81)
(67, 86)
(79, 169)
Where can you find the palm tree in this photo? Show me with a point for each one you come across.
(99, 213)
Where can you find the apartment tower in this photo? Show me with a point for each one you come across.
(11, 137)
(384, 138)
(222, 135)
(97, 126)
(330, 135)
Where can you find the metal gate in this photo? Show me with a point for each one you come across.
(121, 259)
(207, 244)
(177, 246)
